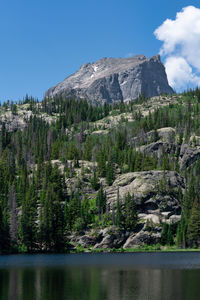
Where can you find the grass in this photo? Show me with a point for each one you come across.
(144, 248)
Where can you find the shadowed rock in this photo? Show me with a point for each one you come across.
(188, 156)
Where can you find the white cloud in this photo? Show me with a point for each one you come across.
(181, 47)
(180, 73)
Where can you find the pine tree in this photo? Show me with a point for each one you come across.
(138, 161)
(74, 210)
(46, 218)
(119, 215)
(58, 226)
(3, 136)
(110, 175)
(4, 230)
(95, 181)
(66, 215)
(13, 214)
(28, 225)
(164, 234)
(101, 201)
(170, 240)
(101, 164)
(85, 213)
(52, 222)
(130, 214)
(193, 233)
(181, 232)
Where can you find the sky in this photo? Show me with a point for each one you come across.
(44, 41)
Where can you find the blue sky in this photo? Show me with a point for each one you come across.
(42, 42)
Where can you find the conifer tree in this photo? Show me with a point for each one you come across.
(101, 201)
(58, 224)
(4, 230)
(74, 209)
(170, 239)
(119, 215)
(28, 225)
(110, 174)
(95, 182)
(164, 234)
(101, 164)
(193, 233)
(130, 214)
(46, 218)
(181, 232)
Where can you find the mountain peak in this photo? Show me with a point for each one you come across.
(115, 79)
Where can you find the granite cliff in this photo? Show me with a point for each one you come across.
(115, 79)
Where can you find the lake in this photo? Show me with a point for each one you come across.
(120, 276)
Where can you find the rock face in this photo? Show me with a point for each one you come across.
(188, 156)
(156, 196)
(115, 79)
(155, 193)
(158, 147)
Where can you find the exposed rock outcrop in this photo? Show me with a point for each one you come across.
(115, 79)
(156, 196)
(155, 193)
(165, 135)
(105, 238)
(143, 237)
(142, 183)
(188, 155)
(158, 148)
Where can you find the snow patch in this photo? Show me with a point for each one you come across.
(124, 82)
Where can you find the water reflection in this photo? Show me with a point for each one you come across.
(98, 283)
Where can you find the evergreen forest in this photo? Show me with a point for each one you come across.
(62, 159)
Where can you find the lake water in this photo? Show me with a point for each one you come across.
(123, 276)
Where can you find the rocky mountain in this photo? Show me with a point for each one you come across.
(115, 79)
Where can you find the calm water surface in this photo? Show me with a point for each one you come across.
(101, 276)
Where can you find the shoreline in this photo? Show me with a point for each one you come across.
(109, 251)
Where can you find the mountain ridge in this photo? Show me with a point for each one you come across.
(115, 79)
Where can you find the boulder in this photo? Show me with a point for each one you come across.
(106, 238)
(166, 134)
(143, 237)
(84, 241)
(111, 238)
